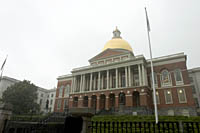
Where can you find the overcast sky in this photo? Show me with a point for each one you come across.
(47, 38)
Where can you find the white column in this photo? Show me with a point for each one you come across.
(143, 75)
(75, 84)
(107, 79)
(110, 81)
(102, 81)
(120, 79)
(129, 75)
(94, 87)
(90, 81)
(81, 83)
(116, 77)
(72, 85)
(126, 76)
(139, 74)
(99, 80)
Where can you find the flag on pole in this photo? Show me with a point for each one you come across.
(3, 63)
(147, 19)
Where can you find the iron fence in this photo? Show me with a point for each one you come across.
(145, 127)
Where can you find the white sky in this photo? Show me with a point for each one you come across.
(47, 38)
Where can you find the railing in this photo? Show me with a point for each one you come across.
(143, 127)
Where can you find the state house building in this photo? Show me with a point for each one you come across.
(119, 82)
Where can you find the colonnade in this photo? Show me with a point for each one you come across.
(121, 77)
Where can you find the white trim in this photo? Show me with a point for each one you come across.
(178, 82)
(183, 94)
(165, 92)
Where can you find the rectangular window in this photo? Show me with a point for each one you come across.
(191, 79)
(59, 104)
(168, 97)
(108, 61)
(101, 62)
(51, 95)
(181, 95)
(65, 103)
(124, 58)
(40, 101)
(116, 59)
(193, 90)
(51, 102)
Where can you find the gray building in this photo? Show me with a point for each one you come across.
(5, 83)
(45, 96)
(194, 75)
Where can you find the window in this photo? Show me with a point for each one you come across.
(108, 61)
(135, 80)
(168, 97)
(181, 95)
(51, 95)
(67, 90)
(61, 91)
(193, 90)
(41, 94)
(196, 102)
(51, 102)
(94, 63)
(85, 101)
(65, 104)
(178, 76)
(47, 96)
(165, 78)
(59, 104)
(124, 57)
(123, 80)
(101, 62)
(40, 101)
(116, 59)
(157, 97)
(191, 79)
(122, 99)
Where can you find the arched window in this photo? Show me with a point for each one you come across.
(67, 90)
(60, 91)
(178, 76)
(122, 99)
(85, 101)
(165, 78)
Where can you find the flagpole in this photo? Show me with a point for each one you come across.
(2, 68)
(152, 72)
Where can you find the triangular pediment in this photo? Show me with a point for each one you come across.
(109, 53)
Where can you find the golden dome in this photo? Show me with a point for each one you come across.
(117, 42)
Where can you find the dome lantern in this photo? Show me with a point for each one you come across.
(116, 33)
(117, 42)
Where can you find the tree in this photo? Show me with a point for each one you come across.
(22, 96)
